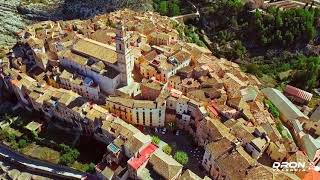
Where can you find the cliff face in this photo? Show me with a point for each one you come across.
(15, 14)
(86, 9)
(10, 22)
(83, 9)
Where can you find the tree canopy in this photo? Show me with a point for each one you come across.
(69, 154)
(181, 157)
(236, 29)
(167, 7)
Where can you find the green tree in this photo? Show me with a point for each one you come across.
(175, 10)
(176, 2)
(308, 69)
(311, 31)
(64, 148)
(156, 4)
(289, 37)
(14, 145)
(167, 149)
(163, 8)
(181, 157)
(264, 40)
(34, 135)
(69, 157)
(272, 108)
(279, 21)
(22, 143)
(2, 135)
(91, 168)
(74, 153)
(253, 69)
(155, 140)
(69, 154)
(10, 136)
(66, 159)
(239, 50)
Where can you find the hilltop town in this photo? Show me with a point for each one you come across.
(122, 77)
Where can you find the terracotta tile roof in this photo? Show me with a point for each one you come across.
(96, 49)
(242, 132)
(312, 175)
(220, 147)
(160, 35)
(293, 91)
(266, 173)
(189, 175)
(74, 57)
(235, 164)
(151, 55)
(182, 56)
(165, 165)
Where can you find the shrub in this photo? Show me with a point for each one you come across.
(64, 148)
(155, 140)
(66, 159)
(14, 145)
(181, 157)
(2, 135)
(167, 149)
(22, 143)
(10, 137)
(272, 109)
(34, 135)
(90, 168)
(69, 154)
(253, 69)
(74, 153)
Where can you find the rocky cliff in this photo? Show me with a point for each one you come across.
(10, 22)
(15, 14)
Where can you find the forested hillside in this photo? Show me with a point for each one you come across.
(265, 40)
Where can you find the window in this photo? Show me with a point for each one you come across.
(151, 118)
(143, 118)
(137, 116)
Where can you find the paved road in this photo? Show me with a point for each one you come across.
(39, 165)
(7, 168)
(195, 14)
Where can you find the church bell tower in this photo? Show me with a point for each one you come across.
(124, 56)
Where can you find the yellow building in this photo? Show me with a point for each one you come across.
(120, 108)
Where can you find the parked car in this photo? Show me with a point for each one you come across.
(177, 133)
(164, 131)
